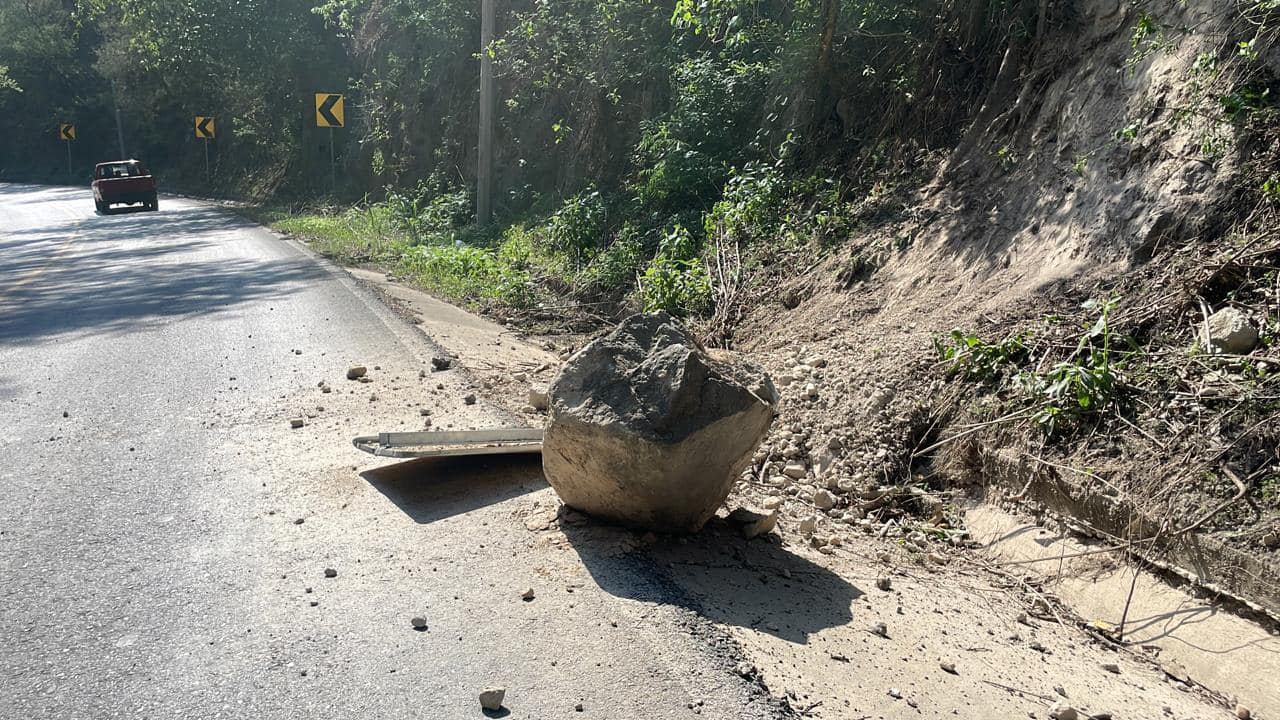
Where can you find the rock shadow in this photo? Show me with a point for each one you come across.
(431, 489)
(717, 574)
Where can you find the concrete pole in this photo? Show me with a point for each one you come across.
(484, 169)
(115, 99)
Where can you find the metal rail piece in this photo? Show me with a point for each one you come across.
(503, 441)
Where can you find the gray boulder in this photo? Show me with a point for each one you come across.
(650, 430)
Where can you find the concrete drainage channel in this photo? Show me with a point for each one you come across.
(1187, 603)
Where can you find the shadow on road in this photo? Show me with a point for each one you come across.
(719, 575)
(109, 274)
(716, 573)
(432, 489)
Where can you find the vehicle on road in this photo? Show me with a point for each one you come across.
(124, 182)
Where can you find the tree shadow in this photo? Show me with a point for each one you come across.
(111, 274)
(719, 575)
(431, 489)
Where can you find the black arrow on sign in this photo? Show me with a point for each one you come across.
(67, 130)
(326, 110)
(203, 128)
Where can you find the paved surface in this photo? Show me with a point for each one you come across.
(163, 543)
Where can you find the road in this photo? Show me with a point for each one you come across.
(164, 533)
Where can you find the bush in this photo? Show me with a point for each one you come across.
(616, 266)
(676, 280)
(579, 228)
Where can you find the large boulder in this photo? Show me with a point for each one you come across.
(649, 430)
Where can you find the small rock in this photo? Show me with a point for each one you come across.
(884, 583)
(949, 667)
(440, 362)
(470, 399)
(296, 423)
(326, 389)
(895, 693)
(356, 372)
(745, 669)
(491, 698)
(330, 573)
(823, 500)
(1243, 713)
(772, 503)
(1111, 668)
(66, 414)
(297, 352)
(419, 623)
(753, 523)
(299, 521)
(527, 595)
(424, 411)
(365, 379)
(520, 377)
(1229, 331)
(578, 707)
(808, 525)
(1060, 690)
(539, 399)
(1062, 711)
(879, 628)
(795, 471)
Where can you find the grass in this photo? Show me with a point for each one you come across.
(468, 274)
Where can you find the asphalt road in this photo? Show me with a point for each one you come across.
(164, 532)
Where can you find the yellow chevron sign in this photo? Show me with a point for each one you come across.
(330, 110)
(67, 132)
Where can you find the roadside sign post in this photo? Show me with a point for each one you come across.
(206, 129)
(331, 113)
(67, 132)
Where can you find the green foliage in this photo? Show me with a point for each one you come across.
(676, 280)
(685, 155)
(1085, 384)
(969, 357)
(579, 228)
(617, 266)
(464, 273)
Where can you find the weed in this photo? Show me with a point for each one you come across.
(970, 357)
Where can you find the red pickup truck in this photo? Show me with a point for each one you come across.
(124, 182)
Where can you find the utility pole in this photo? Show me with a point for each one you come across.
(115, 99)
(484, 170)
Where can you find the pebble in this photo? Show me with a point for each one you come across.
(356, 372)
(66, 414)
(330, 573)
(948, 667)
(470, 399)
(1243, 712)
(424, 411)
(296, 423)
(491, 698)
(326, 389)
(419, 623)
(1111, 668)
(440, 362)
(808, 525)
(794, 471)
(527, 595)
(823, 500)
(1060, 690)
(884, 583)
(578, 707)
(1062, 711)
(299, 521)
(880, 629)
(895, 693)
